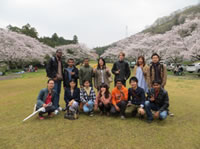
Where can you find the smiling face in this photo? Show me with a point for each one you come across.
(133, 84)
(103, 89)
(121, 57)
(87, 84)
(155, 59)
(86, 62)
(119, 84)
(156, 86)
(101, 62)
(140, 61)
(72, 84)
(50, 85)
(70, 63)
(59, 54)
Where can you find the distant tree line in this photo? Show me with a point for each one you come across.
(52, 41)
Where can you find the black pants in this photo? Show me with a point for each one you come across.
(104, 108)
(122, 105)
(48, 109)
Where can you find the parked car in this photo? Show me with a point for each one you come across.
(171, 67)
(195, 67)
(132, 64)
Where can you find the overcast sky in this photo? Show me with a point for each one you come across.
(95, 22)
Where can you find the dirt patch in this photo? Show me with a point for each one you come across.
(10, 76)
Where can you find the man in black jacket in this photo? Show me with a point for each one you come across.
(54, 71)
(70, 72)
(121, 69)
(158, 101)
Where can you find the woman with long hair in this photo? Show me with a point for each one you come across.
(140, 71)
(103, 100)
(102, 74)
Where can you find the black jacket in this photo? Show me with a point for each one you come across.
(66, 78)
(52, 67)
(162, 100)
(124, 70)
(68, 97)
(137, 96)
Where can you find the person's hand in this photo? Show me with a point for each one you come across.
(95, 107)
(117, 72)
(141, 111)
(71, 102)
(107, 70)
(81, 86)
(72, 73)
(152, 98)
(118, 97)
(44, 105)
(117, 108)
(94, 70)
(156, 115)
(87, 104)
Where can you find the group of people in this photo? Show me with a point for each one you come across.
(146, 93)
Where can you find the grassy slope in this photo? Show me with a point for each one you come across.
(19, 95)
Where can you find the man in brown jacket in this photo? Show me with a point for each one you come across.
(157, 71)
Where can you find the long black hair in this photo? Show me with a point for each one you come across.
(104, 63)
(107, 92)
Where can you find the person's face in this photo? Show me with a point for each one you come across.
(101, 63)
(72, 84)
(155, 59)
(140, 61)
(50, 85)
(70, 63)
(59, 54)
(119, 85)
(133, 84)
(156, 86)
(86, 62)
(103, 89)
(121, 57)
(87, 84)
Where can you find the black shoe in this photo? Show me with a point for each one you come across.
(134, 113)
(149, 121)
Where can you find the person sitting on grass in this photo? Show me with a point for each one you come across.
(87, 97)
(119, 99)
(158, 101)
(103, 100)
(45, 98)
(136, 96)
(72, 97)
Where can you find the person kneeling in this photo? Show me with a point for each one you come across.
(119, 99)
(103, 100)
(46, 99)
(158, 101)
(136, 96)
(88, 97)
(72, 99)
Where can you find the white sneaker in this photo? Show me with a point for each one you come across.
(60, 108)
(56, 112)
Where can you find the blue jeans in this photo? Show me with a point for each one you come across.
(88, 108)
(152, 106)
(57, 88)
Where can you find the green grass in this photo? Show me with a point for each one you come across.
(99, 132)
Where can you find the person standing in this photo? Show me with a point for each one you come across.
(121, 69)
(102, 74)
(70, 72)
(140, 71)
(85, 73)
(54, 71)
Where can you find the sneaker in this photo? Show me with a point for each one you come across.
(56, 112)
(123, 117)
(91, 114)
(41, 117)
(170, 114)
(60, 108)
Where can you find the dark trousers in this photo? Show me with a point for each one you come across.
(122, 106)
(57, 88)
(104, 108)
(48, 109)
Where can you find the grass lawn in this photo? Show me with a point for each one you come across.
(17, 97)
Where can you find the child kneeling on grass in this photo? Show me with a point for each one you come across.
(45, 98)
(87, 97)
